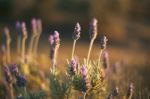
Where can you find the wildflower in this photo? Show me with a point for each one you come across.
(74, 66)
(86, 81)
(39, 25)
(18, 27)
(114, 93)
(23, 27)
(56, 38)
(130, 90)
(93, 28)
(105, 59)
(7, 74)
(103, 42)
(21, 81)
(15, 70)
(34, 25)
(76, 33)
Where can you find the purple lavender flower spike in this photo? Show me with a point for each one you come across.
(56, 37)
(18, 27)
(84, 71)
(103, 42)
(51, 39)
(34, 25)
(74, 66)
(39, 25)
(93, 28)
(21, 81)
(15, 69)
(23, 27)
(86, 81)
(76, 33)
(7, 74)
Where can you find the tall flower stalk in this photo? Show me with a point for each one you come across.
(93, 34)
(75, 36)
(25, 35)
(18, 28)
(54, 41)
(39, 31)
(8, 41)
(103, 43)
(34, 34)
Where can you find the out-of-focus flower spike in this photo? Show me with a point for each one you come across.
(103, 42)
(7, 74)
(93, 28)
(77, 30)
(24, 29)
(15, 70)
(34, 26)
(73, 67)
(18, 28)
(86, 81)
(39, 25)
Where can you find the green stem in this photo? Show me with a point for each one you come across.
(84, 95)
(73, 48)
(11, 91)
(90, 48)
(99, 58)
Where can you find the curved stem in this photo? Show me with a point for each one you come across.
(11, 91)
(23, 47)
(89, 52)
(99, 58)
(36, 44)
(84, 95)
(73, 48)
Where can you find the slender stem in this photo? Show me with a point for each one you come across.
(73, 48)
(8, 47)
(130, 97)
(36, 44)
(55, 56)
(90, 48)
(84, 96)
(18, 45)
(25, 91)
(11, 91)
(23, 47)
(99, 59)
(31, 45)
(4, 58)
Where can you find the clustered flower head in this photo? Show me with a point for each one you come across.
(39, 25)
(93, 28)
(18, 27)
(73, 67)
(103, 42)
(7, 74)
(86, 81)
(54, 41)
(23, 27)
(76, 33)
(105, 59)
(21, 81)
(34, 25)
(15, 70)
